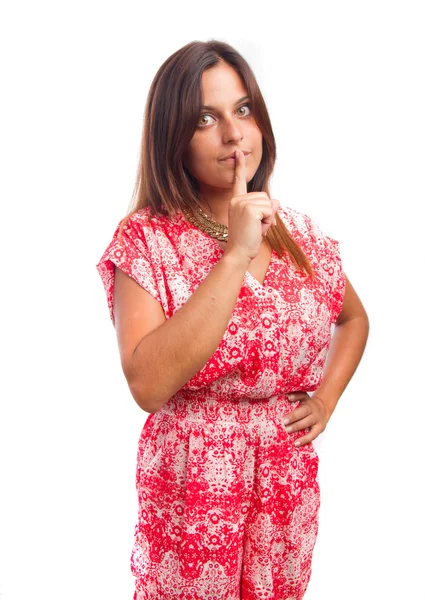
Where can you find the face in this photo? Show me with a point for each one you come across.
(227, 125)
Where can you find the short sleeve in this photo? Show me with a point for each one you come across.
(132, 255)
(329, 257)
(338, 281)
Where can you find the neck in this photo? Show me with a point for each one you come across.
(216, 205)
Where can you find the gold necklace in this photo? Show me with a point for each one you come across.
(201, 220)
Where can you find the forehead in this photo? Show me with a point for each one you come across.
(221, 84)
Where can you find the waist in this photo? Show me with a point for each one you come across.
(206, 407)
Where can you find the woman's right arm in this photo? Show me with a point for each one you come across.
(159, 355)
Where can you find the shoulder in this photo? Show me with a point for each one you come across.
(143, 218)
(295, 220)
(302, 221)
(144, 224)
(308, 232)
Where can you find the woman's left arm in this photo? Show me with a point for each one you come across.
(344, 355)
(346, 349)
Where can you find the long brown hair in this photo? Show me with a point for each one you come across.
(171, 118)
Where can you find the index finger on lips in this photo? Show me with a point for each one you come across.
(239, 181)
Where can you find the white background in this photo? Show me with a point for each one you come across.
(344, 85)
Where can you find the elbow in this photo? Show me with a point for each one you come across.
(145, 400)
(140, 388)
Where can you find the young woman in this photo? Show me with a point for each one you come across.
(223, 300)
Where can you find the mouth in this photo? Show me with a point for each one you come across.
(231, 159)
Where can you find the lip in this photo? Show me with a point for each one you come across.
(232, 155)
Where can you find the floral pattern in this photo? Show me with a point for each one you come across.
(228, 505)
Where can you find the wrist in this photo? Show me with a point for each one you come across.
(327, 405)
(236, 258)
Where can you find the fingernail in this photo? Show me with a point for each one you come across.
(285, 421)
(291, 397)
(297, 443)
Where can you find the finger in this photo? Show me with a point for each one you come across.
(269, 219)
(239, 181)
(307, 421)
(301, 412)
(295, 396)
(276, 205)
(309, 437)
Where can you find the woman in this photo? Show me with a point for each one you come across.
(223, 302)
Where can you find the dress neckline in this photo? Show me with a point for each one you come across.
(248, 277)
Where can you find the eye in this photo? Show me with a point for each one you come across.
(205, 115)
(244, 106)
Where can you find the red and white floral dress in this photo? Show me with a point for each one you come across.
(228, 505)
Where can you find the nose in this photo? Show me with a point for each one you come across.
(231, 131)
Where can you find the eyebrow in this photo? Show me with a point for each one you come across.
(208, 107)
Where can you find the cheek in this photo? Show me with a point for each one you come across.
(197, 154)
(259, 153)
(203, 158)
(259, 141)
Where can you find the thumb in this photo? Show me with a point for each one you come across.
(239, 181)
